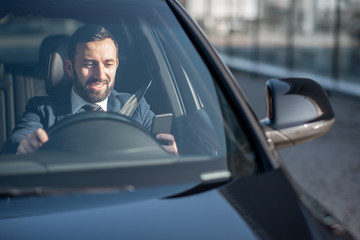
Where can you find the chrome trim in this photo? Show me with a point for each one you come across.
(222, 175)
(286, 137)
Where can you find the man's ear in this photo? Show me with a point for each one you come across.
(69, 67)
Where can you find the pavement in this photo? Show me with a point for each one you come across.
(327, 168)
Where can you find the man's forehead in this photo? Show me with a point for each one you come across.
(96, 46)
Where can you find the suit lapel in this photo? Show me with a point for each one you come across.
(114, 104)
(63, 105)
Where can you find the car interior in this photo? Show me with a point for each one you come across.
(152, 48)
(143, 57)
(181, 83)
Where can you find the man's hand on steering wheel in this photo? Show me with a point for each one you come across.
(33, 141)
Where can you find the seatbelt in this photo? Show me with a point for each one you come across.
(130, 106)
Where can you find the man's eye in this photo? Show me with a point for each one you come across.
(109, 64)
(88, 65)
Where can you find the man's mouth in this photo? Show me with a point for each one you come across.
(97, 85)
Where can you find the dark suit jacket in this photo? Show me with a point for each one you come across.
(44, 112)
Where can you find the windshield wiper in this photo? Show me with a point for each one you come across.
(56, 191)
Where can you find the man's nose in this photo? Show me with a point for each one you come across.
(100, 72)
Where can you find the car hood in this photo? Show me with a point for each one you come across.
(206, 215)
(264, 206)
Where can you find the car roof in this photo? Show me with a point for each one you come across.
(16, 2)
(63, 8)
(31, 5)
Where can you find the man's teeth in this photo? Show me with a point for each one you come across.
(98, 84)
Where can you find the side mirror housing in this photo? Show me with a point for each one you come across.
(298, 111)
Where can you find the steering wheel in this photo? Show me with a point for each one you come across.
(99, 132)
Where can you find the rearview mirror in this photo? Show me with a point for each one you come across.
(298, 111)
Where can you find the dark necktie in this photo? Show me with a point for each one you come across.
(92, 108)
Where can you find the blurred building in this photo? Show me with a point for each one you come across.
(319, 39)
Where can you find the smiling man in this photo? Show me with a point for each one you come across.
(92, 63)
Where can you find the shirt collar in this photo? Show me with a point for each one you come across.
(77, 102)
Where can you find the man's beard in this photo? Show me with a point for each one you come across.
(89, 94)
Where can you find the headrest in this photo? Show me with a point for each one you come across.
(53, 52)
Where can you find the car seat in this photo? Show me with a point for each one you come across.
(6, 104)
(52, 55)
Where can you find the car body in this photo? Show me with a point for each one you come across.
(101, 176)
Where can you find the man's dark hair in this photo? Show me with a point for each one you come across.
(89, 33)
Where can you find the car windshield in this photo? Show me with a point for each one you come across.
(157, 60)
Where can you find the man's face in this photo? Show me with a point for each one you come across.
(94, 69)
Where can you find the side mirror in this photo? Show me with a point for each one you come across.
(298, 111)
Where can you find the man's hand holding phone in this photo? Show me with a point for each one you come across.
(161, 129)
(168, 141)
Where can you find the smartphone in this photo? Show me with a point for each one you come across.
(162, 123)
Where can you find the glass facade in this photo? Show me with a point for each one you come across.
(349, 41)
(306, 38)
(272, 33)
(313, 36)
